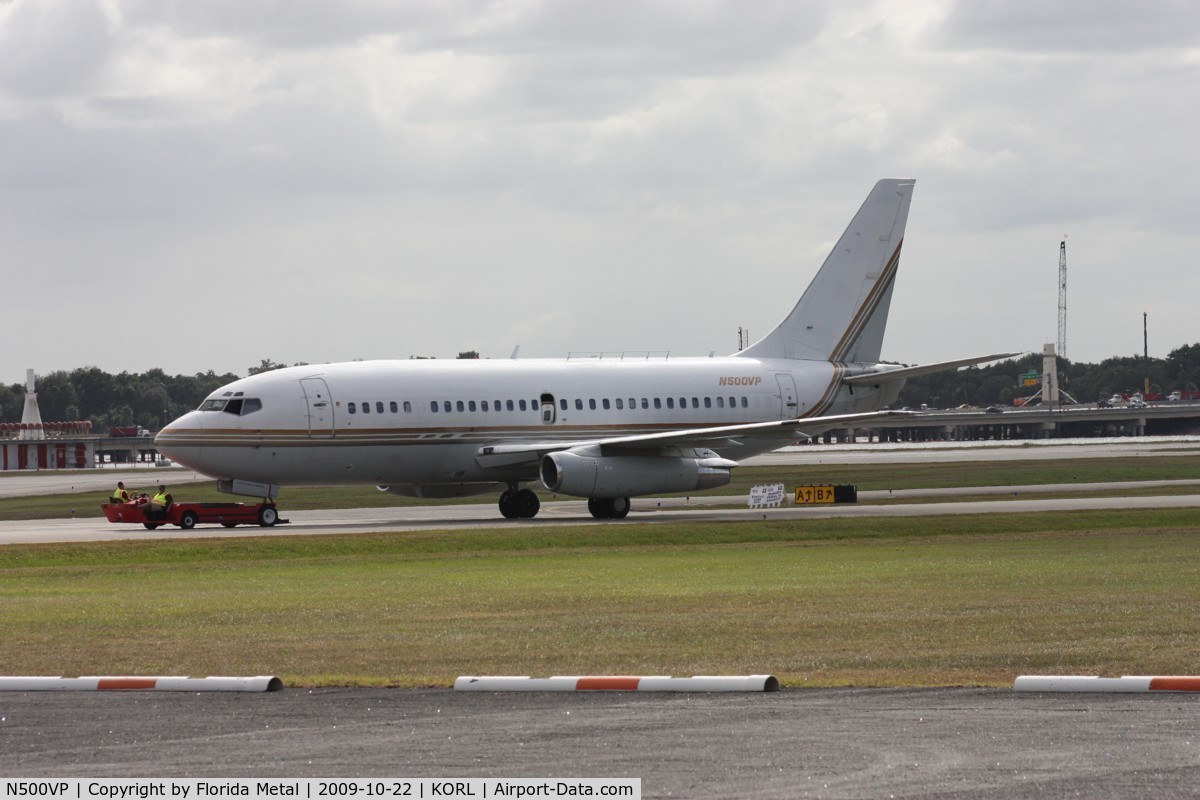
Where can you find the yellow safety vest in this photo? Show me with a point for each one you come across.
(161, 498)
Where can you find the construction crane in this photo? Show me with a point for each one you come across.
(1062, 299)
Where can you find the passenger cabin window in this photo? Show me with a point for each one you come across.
(379, 407)
(620, 404)
(407, 407)
(670, 402)
(433, 406)
(579, 404)
(352, 408)
(521, 403)
(366, 408)
(658, 402)
(606, 404)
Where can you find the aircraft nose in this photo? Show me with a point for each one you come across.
(182, 441)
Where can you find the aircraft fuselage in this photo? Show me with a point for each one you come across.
(422, 423)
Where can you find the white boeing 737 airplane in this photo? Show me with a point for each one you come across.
(604, 428)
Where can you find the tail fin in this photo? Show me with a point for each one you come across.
(842, 314)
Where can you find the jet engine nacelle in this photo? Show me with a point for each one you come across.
(583, 475)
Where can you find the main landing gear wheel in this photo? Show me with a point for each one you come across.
(522, 504)
(608, 507)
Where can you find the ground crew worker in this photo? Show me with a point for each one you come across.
(120, 495)
(160, 503)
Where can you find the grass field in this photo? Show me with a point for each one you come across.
(946, 601)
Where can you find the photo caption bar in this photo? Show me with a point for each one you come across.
(318, 788)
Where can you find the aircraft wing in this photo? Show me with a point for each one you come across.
(886, 373)
(782, 431)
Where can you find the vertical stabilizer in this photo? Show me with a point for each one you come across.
(843, 313)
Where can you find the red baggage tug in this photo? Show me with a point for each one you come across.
(189, 515)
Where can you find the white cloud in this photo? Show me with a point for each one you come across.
(370, 179)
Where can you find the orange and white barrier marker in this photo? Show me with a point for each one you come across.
(619, 683)
(259, 683)
(1127, 683)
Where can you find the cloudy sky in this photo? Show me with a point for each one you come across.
(203, 185)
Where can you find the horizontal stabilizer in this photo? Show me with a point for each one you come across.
(886, 373)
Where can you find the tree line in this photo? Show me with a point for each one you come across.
(149, 399)
(1000, 384)
(153, 398)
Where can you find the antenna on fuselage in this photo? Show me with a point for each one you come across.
(516, 350)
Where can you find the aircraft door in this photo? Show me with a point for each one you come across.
(549, 414)
(788, 407)
(320, 407)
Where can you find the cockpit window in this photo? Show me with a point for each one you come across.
(237, 406)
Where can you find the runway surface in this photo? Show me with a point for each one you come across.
(829, 743)
(567, 512)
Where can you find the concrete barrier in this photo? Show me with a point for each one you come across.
(618, 683)
(259, 683)
(1127, 683)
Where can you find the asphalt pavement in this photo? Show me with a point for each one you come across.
(820, 743)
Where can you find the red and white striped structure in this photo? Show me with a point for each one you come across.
(31, 417)
(618, 683)
(1127, 683)
(259, 683)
